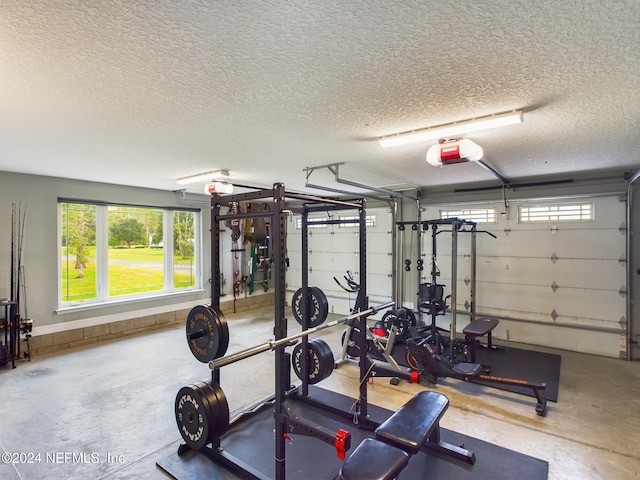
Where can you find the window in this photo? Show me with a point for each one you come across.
(310, 221)
(568, 212)
(370, 221)
(111, 252)
(478, 215)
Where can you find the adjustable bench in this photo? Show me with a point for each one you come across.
(479, 328)
(415, 425)
(415, 422)
(374, 460)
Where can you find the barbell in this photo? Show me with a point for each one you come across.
(273, 344)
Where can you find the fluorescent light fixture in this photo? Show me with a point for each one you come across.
(453, 129)
(202, 177)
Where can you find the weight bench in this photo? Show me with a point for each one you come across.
(374, 460)
(479, 328)
(415, 425)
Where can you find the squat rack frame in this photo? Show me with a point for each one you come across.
(278, 212)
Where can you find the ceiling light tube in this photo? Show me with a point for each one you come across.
(202, 177)
(452, 129)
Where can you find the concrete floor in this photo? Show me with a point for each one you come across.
(107, 411)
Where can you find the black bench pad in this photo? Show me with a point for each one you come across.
(413, 423)
(480, 327)
(374, 460)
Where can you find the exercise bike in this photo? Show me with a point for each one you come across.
(379, 339)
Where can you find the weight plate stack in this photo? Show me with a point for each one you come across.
(202, 413)
(320, 361)
(318, 306)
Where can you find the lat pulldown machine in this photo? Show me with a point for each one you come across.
(429, 351)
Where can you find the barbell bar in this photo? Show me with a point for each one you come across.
(272, 344)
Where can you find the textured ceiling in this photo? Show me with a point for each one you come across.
(143, 92)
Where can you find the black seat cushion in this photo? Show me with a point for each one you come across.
(411, 425)
(431, 299)
(480, 327)
(374, 460)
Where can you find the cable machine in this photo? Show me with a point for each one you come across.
(431, 299)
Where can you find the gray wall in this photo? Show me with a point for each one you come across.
(39, 256)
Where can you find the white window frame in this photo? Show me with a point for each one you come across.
(476, 215)
(557, 212)
(310, 223)
(370, 221)
(102, 262)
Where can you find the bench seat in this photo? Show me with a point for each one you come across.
(374, 460)
(479, 328)
(412, 425)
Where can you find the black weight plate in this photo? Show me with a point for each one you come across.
(224, 332)
(402, 319)
(219, 420)
(193, 414)
(329, 360)
(207, 333)
(326, 356)
(318, 306)
(320, 361)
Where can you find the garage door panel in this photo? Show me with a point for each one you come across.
(606, 274)
(569, 302)
(576, 243)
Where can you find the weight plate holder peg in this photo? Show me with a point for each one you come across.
(202, 413)
(318, 306)
(320, 360)
(207, 333)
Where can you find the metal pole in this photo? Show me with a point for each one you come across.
(454, 286)
(362, 340)
(280, 327)
(305, 296)
(629, 253)
(472, 286)
(215, 252)
(419, 244)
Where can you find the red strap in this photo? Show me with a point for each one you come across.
(340, 443)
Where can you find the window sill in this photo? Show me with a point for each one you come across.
(79, 307)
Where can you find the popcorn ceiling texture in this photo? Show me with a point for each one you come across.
(158, 90)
